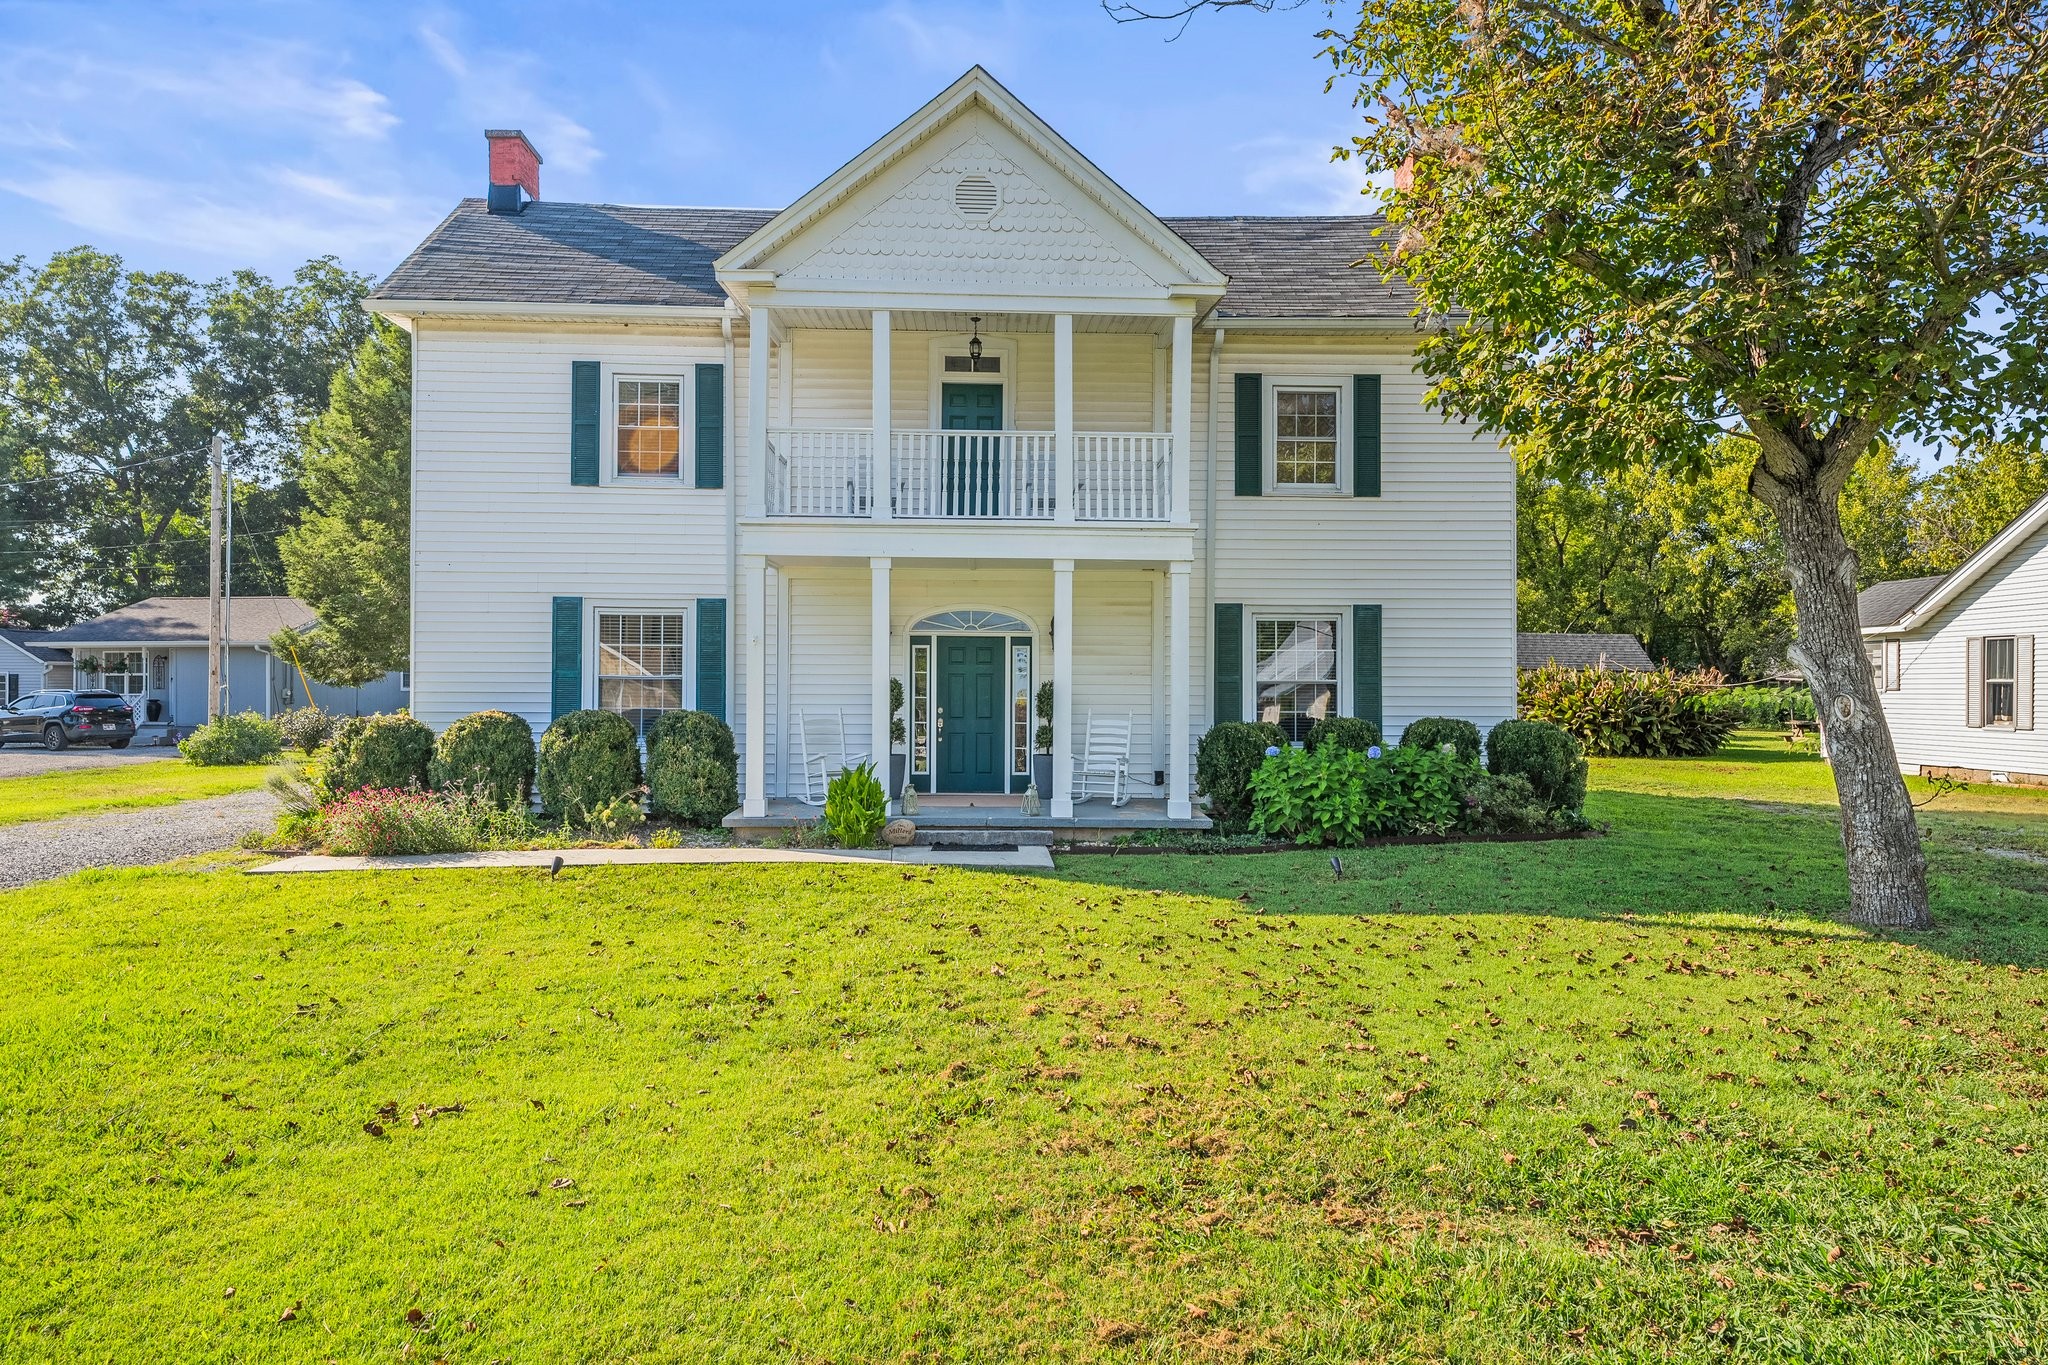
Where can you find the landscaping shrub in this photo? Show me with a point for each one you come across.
(588, 759)
(381, 821)
(1662, 714)
(1336, 795)
(1506, 805)
(306, 728)
(1544, 754)
(1224, 761)
(1433, 732)
(1345, 732)
(390, 751)
(615, 820)
(856, 807)
(242, 738)
(1766, 708)
(489, 753)
(693, 769)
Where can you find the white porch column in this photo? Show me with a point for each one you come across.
(878, 678)
(1179, 687)
(1182, 403)
(1062, 807)
(882, 477)
(758, 383)
(1063, 417)
(1159, 648)
(754, 577)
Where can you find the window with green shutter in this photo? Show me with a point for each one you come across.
(1250, 431)
(1367, 691)
(567, 675)
(711, 655)
(1365, 435)
(1227, 700)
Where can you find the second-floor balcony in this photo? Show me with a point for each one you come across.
(957, 475)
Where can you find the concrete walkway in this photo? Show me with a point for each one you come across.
(1034, 856)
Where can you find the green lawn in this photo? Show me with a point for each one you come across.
(1636, 1097)
(81, 791)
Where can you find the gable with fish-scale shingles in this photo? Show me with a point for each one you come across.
(1037, 238)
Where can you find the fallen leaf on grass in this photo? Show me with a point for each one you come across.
(290, 1313)
(561, 1182)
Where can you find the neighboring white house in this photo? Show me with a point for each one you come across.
(29, 663)
(966, 415)
(154, 653)
(1954, 658)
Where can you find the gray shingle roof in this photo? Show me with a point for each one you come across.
(616, 254)
(1882, 604)
(166, 620)
(1618, 653)
(35, 642)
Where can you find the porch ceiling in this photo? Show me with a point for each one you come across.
(992, 323)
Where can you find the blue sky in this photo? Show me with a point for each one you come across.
(202, 137)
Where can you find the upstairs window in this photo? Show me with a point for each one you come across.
(1305, 439)
(649, 428)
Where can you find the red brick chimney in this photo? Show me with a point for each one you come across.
(515, 166)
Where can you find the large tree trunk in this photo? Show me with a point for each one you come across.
(1887, 872)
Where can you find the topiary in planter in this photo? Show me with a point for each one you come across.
(1224, 761)
(489, 753)
(692, 768)
(1433, 732)
(588, 760)
(1346, 732)
(389, 752)
(1548, 756)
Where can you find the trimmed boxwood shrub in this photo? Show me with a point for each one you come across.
(588, 760)
(693, 769)
(489, 753)
(1433, 732)
(1344, 732)
(242, 738)
(389, 752)
(1224, 761)
(1544, 754)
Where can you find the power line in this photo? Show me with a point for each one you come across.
(100, 474)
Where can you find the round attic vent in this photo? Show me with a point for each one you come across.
(976, 196)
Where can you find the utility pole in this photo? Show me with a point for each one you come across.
(214, 622)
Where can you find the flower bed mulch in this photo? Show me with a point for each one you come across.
(1387, 841)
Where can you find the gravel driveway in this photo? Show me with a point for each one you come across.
(32, 760)
(129, 838)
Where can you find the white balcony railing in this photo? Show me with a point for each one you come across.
(1122, 476)
(968, 475)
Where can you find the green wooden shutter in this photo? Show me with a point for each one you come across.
(568, 668)
(1251, 435)
(711, 428)
(1365, 435)
(583, 408)
(1228, 701)
(711, 653)
(1366, 689)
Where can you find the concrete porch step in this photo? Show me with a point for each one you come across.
(985, 836)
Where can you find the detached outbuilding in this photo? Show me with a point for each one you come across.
(1614, 653)
(1954, 653)
(154, 653)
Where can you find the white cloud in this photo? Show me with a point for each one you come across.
(268, 81)
(1297, 175)
(499, 89)
(246, 220)
(942, 45)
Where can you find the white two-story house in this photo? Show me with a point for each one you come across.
(966, 415)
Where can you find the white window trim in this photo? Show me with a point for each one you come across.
(935, 358)
(685, 419)
(1250, 647)
(649, 606)
(1270, 435)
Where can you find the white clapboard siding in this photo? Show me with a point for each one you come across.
(499, 531)
(1927, 712)
(1436, 550)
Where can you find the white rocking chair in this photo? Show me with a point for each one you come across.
(1103, 767)
(821, 736)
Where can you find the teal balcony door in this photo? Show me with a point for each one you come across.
(970, 692)
(973, 470)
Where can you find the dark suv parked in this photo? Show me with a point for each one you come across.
(63, 718)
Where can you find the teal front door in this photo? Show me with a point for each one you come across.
(970, 693)
(973, 463)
